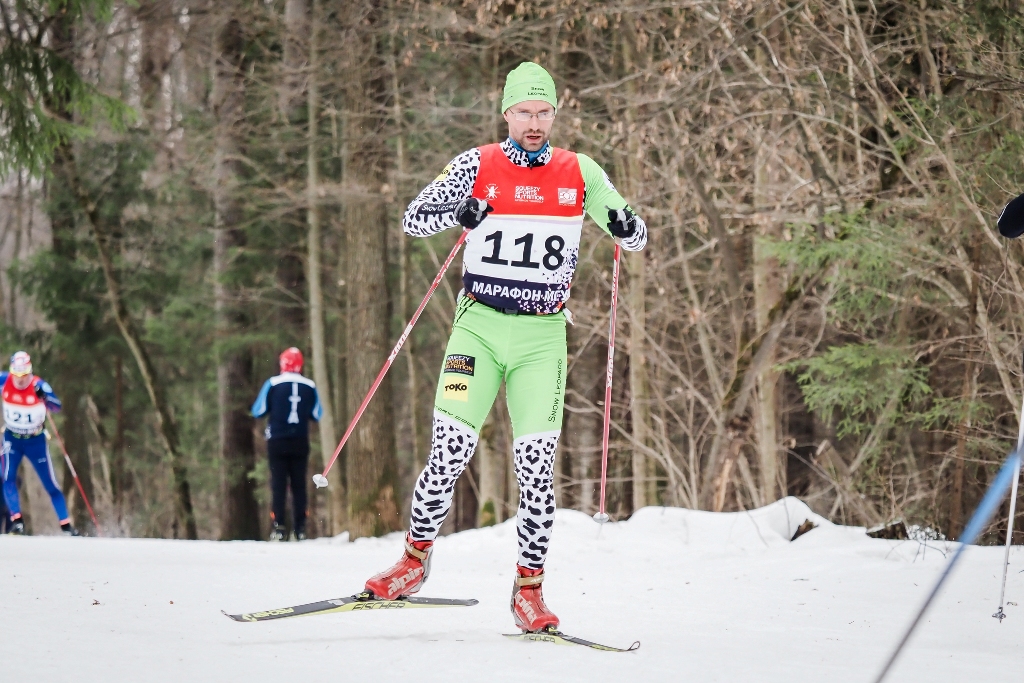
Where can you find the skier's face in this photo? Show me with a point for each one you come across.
(22, 381)
(533, 132)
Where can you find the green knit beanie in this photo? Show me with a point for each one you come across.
(528, 81)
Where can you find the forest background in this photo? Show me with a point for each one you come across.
(823, 310)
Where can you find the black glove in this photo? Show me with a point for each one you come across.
(1011, 220)
(40, 393)
(471, 212)
(621, 223)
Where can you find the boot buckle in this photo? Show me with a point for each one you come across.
(413, 551)
(529, 580)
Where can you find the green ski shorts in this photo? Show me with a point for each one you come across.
(486, 347)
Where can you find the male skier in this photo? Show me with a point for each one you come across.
(26, 399)
(524, 202)
(290, 401)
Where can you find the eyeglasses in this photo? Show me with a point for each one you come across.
(547, 115)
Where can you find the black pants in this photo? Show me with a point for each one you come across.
(289, 460)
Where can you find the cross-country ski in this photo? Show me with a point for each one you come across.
(354, 603)
(550, 635)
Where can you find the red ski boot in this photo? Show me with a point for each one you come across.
(528, 608)
(407, 576)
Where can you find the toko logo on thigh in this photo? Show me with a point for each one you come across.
(456, 390)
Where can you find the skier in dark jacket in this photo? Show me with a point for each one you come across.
(289, 401)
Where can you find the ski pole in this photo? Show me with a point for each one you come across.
(78, 482)
(986, 509)
(1000, 614)
(601, 516)
(321, 479)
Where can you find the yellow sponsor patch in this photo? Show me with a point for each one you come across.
(444, 173)
(456, 388)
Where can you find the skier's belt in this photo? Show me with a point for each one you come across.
(514, 311)
(16, 435)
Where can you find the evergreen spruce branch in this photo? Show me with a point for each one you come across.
(166, 424)
(35, 80)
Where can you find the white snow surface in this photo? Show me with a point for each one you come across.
(711, 597)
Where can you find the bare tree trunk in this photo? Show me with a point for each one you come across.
(582, 431)
(371, 465)
(317, 333)
(76, 441)
(466, 504)
(644, 491)
(338, 497)
(119, 481)
(491, 469)
(967, 397)
(768, 289)
(240, 512)
(158, 22)
(293, 98)
(405, 265)
(296, 52)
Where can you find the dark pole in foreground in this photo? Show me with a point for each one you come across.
(981, 517)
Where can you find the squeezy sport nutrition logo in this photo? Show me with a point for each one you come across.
(457, 363)
(528, 193)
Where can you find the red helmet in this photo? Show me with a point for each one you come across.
(290, 360)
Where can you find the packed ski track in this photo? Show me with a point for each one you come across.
(711, 597)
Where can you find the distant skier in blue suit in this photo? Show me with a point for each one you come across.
(26, 400)
(289, 401)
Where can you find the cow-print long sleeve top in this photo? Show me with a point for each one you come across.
(433, 211)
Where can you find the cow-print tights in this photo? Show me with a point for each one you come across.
(450, 452)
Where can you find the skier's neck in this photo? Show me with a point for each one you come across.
(532, 156)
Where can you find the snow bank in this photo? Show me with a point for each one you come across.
(770, 526)
(712, 597)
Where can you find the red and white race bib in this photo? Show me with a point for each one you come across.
(523, 255)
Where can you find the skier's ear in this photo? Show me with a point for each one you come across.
(1011, 220)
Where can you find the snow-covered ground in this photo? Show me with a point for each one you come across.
(711, 597)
